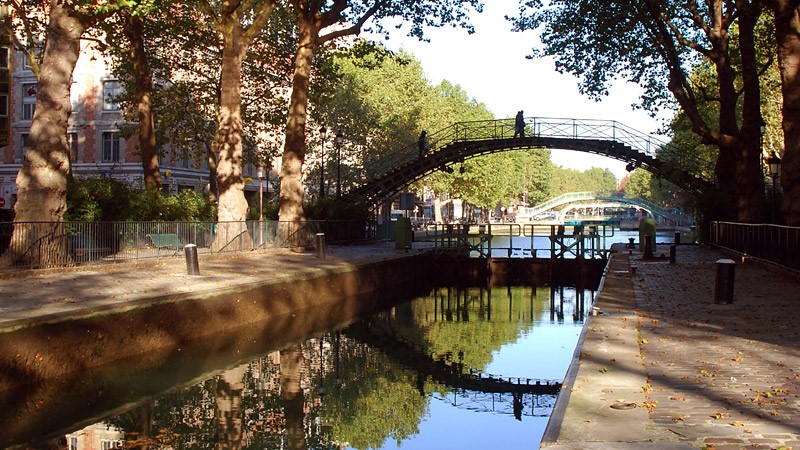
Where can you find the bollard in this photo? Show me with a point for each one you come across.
(672, 253)
(320, 243)
(631, 245)
(192, 264)
(723, 285)
(648, 247)
(677, 238)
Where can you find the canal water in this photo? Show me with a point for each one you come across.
(458, 367)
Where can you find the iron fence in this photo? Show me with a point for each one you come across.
(60, 244)
(776, 243)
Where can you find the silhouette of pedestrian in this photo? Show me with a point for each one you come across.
(519, 125)
(422, 143)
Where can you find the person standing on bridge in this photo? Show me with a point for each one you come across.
(519, 125)
(422, 143)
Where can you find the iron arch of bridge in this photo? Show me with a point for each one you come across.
(392, 173)
(578, 199)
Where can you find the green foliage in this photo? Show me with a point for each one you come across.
(638, 185)
(346, 208)
(572, 180)
(106, 199)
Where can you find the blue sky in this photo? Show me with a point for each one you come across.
(490, 66)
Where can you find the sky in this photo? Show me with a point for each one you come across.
(491, 67)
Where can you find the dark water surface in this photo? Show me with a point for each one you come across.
(438, 371)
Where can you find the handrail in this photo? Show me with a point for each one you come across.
(63, 244)
(545, 127)
(778, 244)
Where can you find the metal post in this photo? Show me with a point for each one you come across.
(192, 264)
(322, 131)
(321, 246)
(723, 285)
(774, 194)
(648, 247)
(339, 140)
(672, 254)
(677, 238)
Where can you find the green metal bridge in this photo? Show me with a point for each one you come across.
(392, 172)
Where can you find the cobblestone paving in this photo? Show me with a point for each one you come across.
(720, 376)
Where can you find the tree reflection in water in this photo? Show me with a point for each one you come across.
(340, 390)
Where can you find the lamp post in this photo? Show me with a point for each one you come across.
(339, 140)
(260, 205)
(774, 166)
(322, 132)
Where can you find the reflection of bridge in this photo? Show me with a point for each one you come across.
(393, 171)
(443, 368)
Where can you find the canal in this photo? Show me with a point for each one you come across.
(432, 364)
(450, 367)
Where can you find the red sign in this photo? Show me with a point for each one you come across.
(2, 202)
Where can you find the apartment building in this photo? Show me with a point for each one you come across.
(96, 147)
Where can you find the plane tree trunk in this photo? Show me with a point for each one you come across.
(42, 181)
(787, 31)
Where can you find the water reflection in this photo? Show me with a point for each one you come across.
(460, 367)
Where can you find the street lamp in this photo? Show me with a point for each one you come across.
(260, 205)
(322, 132)
(774, 167)
(339, 140)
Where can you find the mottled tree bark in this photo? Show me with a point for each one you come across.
(42, 181)
(229, 408)
(787, 31)
(294, 152)
(134, 31)
(292, 397)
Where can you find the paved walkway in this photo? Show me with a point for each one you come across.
(661, 366)
(664, 367)
(35, 296)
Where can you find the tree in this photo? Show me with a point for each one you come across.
(787, 32)
(237, 24)
(343, 18)
(655, 43)
(42, 181)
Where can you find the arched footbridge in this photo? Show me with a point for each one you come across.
(564, 202)
(393, 171)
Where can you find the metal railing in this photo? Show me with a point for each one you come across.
(514, 240)
(546, 127)
(775, 243)
(50, 244)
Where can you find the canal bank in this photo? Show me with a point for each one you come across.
(661, 366)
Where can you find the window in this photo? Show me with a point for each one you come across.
(23, 146)
(111, 92)
(74, 96)
(110, 147)
(29, 91)
(72, 143)
(3, 105)
(4, 57)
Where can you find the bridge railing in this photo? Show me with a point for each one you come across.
(775, 243)
(546, 127)
(515, 240)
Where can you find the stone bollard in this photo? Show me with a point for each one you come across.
(723, 285)
(192, 263)
(672, 249)
(319, 240)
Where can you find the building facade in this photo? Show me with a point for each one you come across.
(96, 147)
